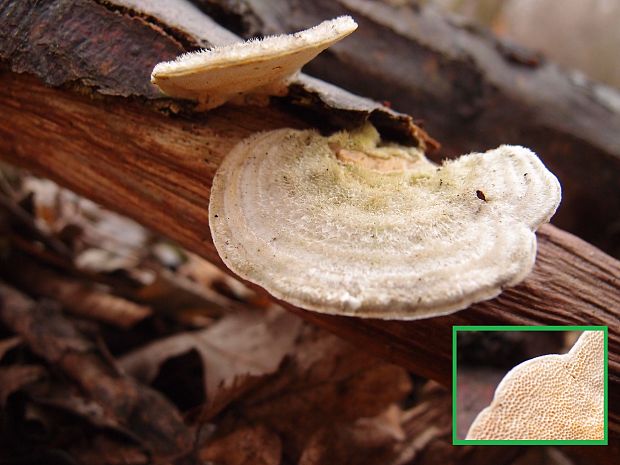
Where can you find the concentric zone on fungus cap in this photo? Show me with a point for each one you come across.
(352, 226)
(552, 397)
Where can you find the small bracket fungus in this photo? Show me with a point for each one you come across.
(259, 67)
(552, 397)
(352, 226)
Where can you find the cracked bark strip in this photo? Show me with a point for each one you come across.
(109, 48)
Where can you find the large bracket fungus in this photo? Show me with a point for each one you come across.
(552, 397)
(253, 68)
(350, 225)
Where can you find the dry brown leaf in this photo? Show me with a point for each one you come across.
(64, 397)
(543, 456)
(173, 293)
(427, 424)
(108, 241)
(117, 399)
(357, 444)
(377, 440)
(41, 328)
(77, 296)
(203, 272)
(238, 349)
(6, 345)
(428, 427)
(326, 382)
(103, 450)
(247, 445)
(15, 377)
(209, 276)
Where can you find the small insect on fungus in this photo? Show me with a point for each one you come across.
(252, 68)
(374, 229)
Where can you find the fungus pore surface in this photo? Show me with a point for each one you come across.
(553, 397)
(349, 225)
(258, 67)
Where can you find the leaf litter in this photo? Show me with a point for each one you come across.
(119, 347)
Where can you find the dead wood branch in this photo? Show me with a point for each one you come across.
(158, 169)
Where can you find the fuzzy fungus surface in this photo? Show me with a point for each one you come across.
(258, 67)
(552, 397)
(349, 225)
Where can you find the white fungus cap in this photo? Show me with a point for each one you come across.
(552, 397)
(348, 225)
(219, 74)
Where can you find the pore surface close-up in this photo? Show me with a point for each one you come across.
(550, 397)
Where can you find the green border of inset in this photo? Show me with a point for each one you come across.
(482, 442)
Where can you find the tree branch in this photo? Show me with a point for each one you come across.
(158, 170)
(99, 132)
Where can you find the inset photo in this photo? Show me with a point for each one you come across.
(529, 385)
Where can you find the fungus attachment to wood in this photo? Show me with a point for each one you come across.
(351, 225)
(257, 67)
(552, 397)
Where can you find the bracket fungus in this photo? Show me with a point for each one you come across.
(258, 67)
(351, 225)
(552, 397)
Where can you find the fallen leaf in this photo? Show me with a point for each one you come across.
(326, 381)
(15, 377)
(368, 441)
(208, 275)
(426, 424)
(428, 427)
(103, 450)
(119, 400)
(6, 345)
(247, 445)
(172, 293)
(119, 241)
(77, 296)
(235, 351)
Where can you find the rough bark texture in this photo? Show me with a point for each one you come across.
(158, 168)
(471, 92)
(105, 48)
